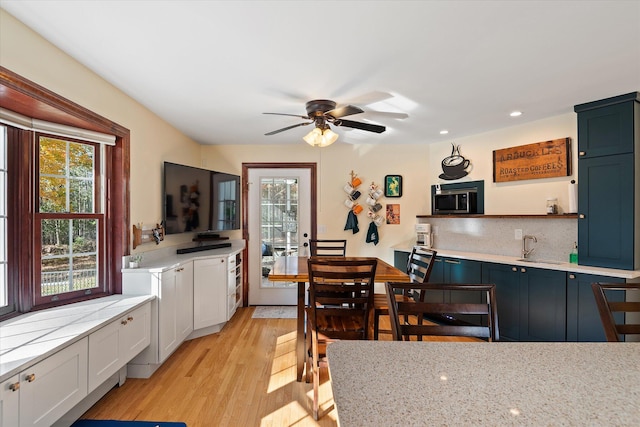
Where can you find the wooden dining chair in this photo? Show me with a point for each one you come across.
(419, 268)
(398, 309)
(614, 330)
(340, 307)
(328, 247)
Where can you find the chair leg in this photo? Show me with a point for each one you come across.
(376, 325)
(316, 381)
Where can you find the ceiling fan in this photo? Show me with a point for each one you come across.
(322, 113)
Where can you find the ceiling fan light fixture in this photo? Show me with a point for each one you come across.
(320, 137)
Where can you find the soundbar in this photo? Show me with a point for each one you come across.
(203, 248)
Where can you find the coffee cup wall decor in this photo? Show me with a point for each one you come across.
(455, 165)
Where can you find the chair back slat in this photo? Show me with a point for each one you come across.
(328, 247)
(614, 331)
(400, 312)
(420, 264)
(341, 295)
(443, 308)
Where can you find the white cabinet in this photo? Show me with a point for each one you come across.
(210, 292)
(184, 315)
(9, 402)
(175, 308)
(234, 284)
(217, 289)
(53, 386)
(112, 346)
(171, 312)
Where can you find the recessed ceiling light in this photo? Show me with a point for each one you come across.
(515, 113)
(444, 132)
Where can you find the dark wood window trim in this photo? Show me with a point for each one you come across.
(30, 99)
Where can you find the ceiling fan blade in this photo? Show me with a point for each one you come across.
(287, 128)
(359, 125)
(370, 98)
(386, 114)
(292, 115)
(345, 110)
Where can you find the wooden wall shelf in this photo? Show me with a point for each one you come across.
(540, 216)
(147, 235)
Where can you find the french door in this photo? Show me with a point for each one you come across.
(280, 217)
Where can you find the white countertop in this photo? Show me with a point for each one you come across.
(553, 265)
(32, 337)
(167, 258)
(431, 383)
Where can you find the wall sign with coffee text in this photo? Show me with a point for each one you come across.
(548, 159)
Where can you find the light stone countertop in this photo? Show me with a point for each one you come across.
(534, 263)
(166, 258)
(29, 338)
(385, 383)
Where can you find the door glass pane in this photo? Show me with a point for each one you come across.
(278, 224)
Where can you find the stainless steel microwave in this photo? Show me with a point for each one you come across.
(451, 202)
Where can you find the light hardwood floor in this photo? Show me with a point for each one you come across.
(243, 376)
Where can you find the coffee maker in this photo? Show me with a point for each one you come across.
(424, 236)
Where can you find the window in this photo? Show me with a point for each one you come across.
(58, 196)
(69, 219)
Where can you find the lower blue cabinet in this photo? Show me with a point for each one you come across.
(534, 304)
(531, 302)
(583, 319)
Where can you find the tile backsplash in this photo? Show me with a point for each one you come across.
(496, 236)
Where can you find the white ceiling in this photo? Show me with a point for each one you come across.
(211, 68)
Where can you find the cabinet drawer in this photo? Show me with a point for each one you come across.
(114, 345)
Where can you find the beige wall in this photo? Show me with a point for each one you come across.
(419, 166)
(154, 141)
(517, 197)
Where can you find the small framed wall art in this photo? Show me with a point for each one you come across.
(393, 186)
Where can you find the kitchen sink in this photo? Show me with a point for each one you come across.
(541, 261)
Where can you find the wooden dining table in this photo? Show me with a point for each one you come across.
(295, 269)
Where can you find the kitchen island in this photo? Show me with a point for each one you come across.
(485, 384)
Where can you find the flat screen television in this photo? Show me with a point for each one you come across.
(199, 200)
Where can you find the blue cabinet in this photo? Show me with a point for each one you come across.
(609, 182)
(531, 302)
(606, 206)
(583, 319)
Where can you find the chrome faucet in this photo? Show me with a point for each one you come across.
(525, 252)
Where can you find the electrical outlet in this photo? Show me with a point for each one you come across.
(518, 234)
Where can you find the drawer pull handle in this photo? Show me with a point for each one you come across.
(582, 153)
(14, 386)
(451, 261)
(130, 318)
(30, 378)
(514, 269)
(523, 270)
(581, 216)
(123, 322)
(572, 276)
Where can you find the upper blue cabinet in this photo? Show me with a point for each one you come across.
(609, 182)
